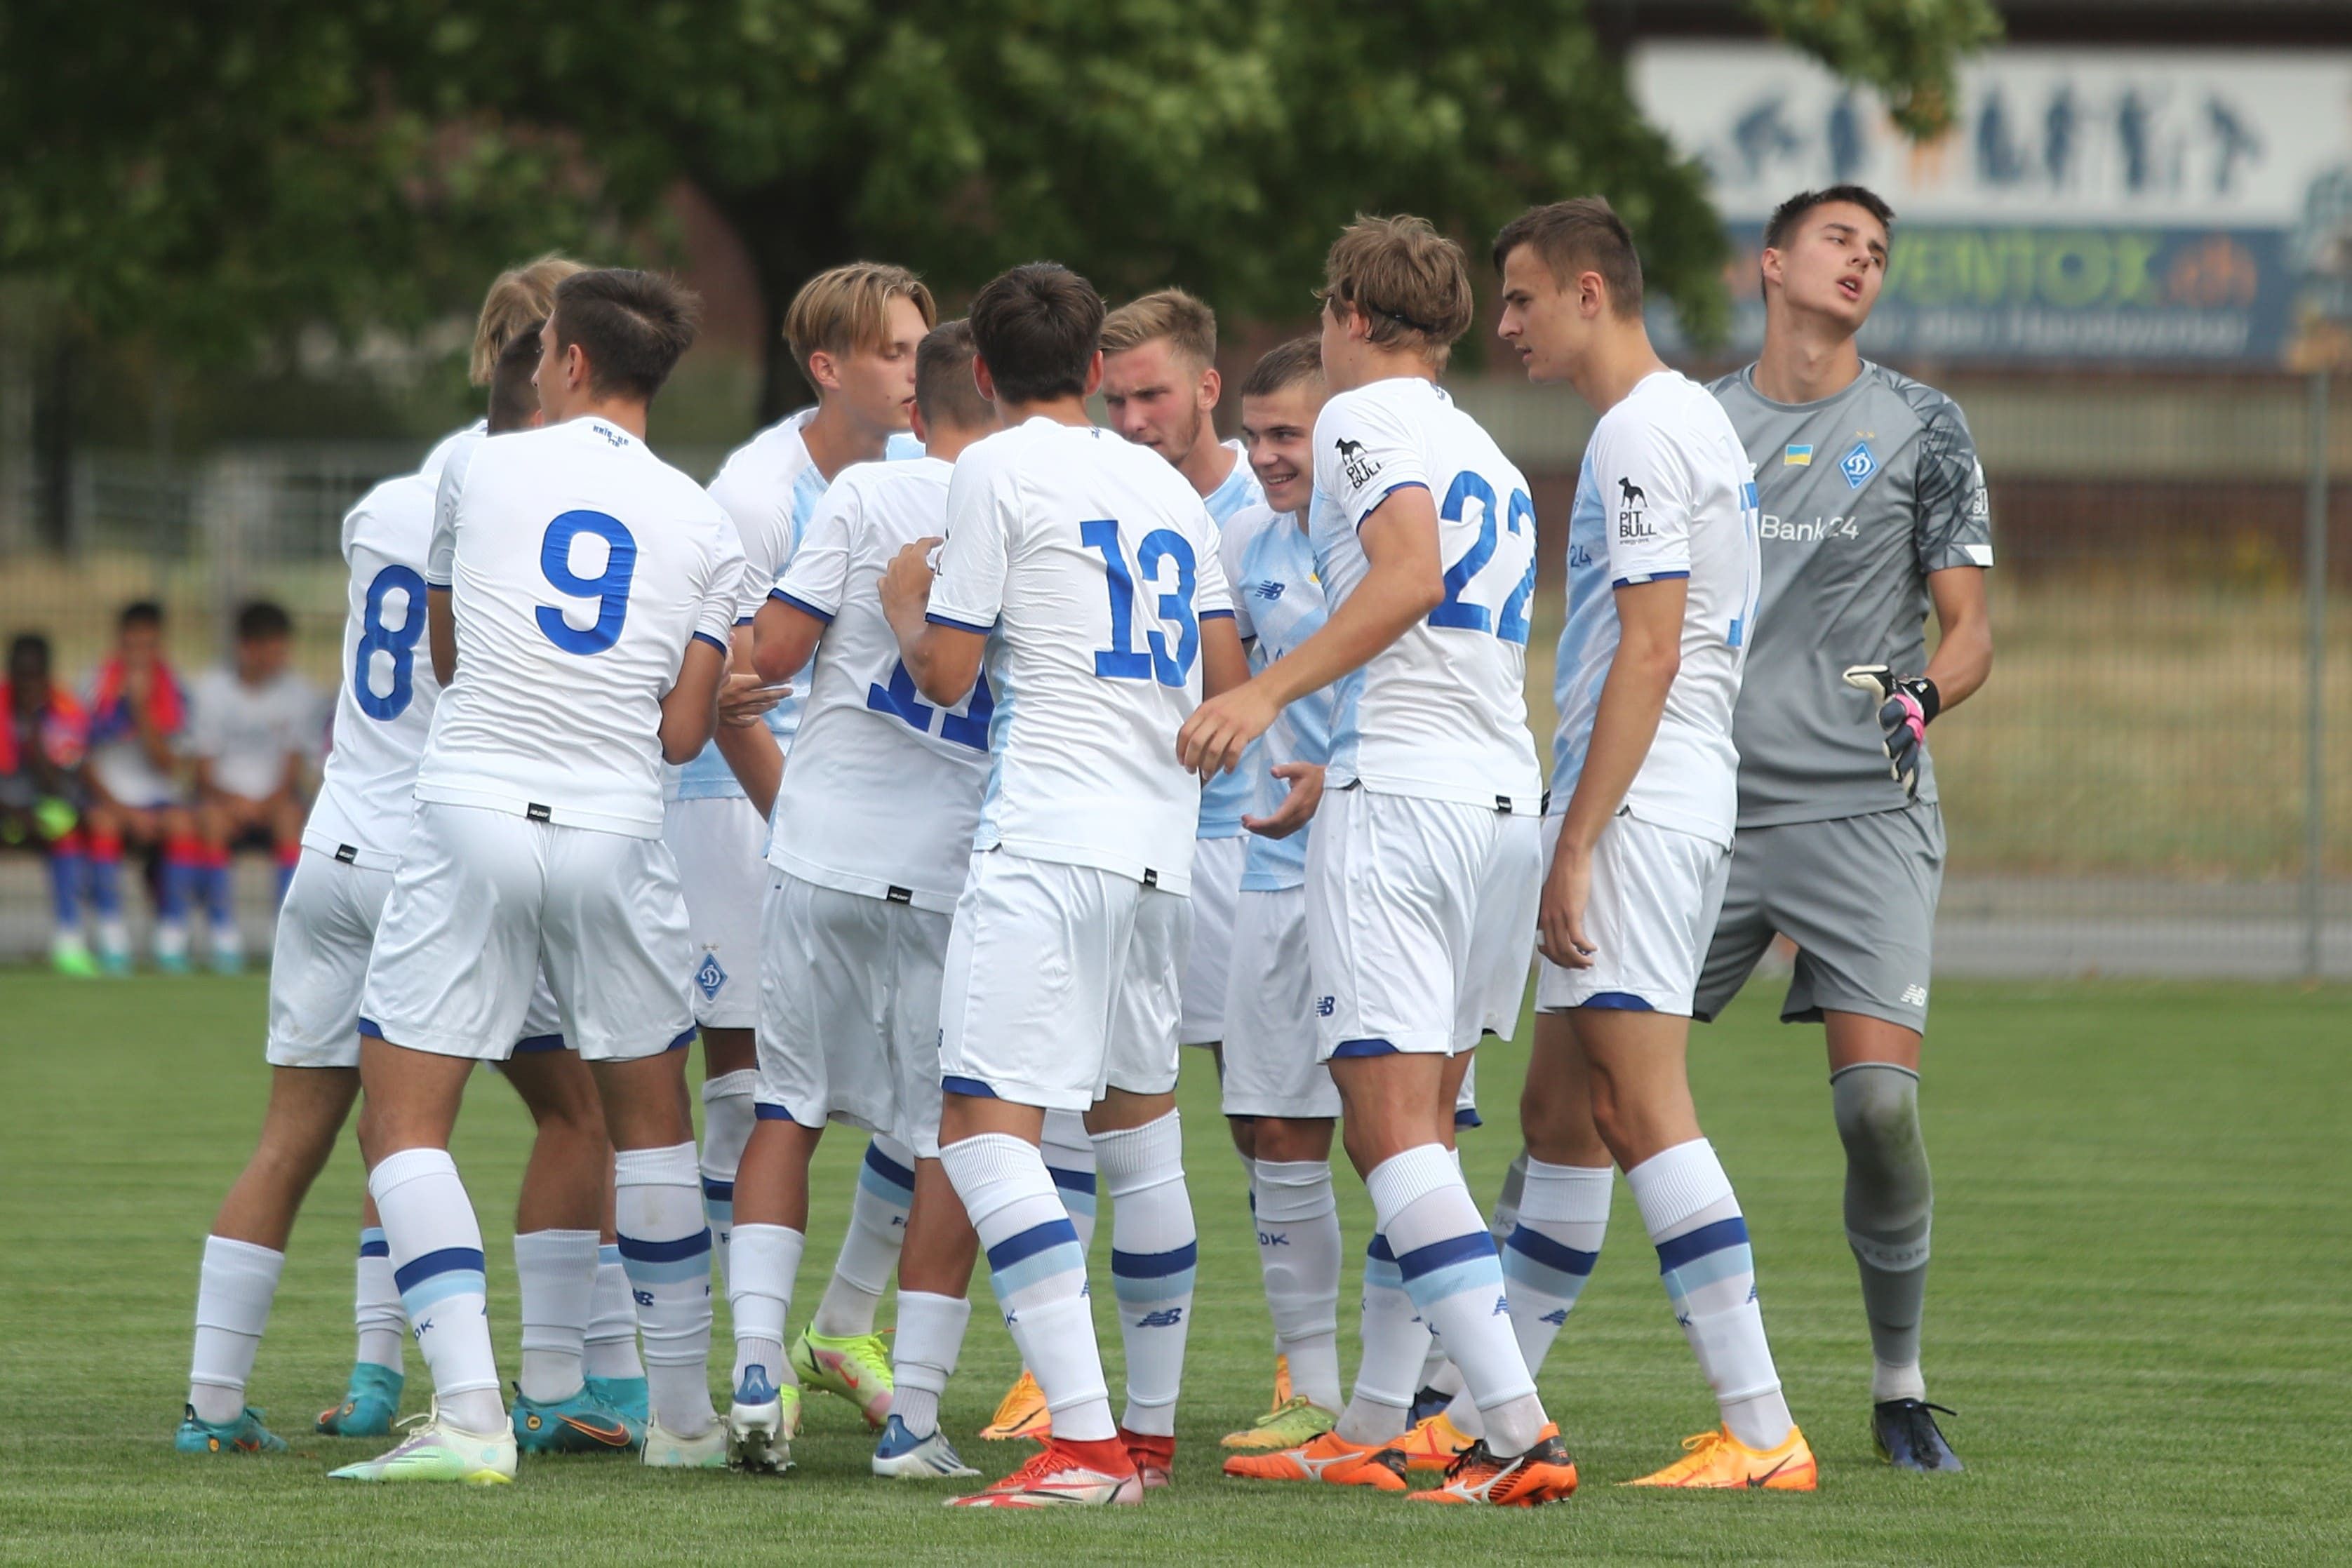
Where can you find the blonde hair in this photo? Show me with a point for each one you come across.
(1411, 282)
(1188, 325)
(847, 307)
(517, 302)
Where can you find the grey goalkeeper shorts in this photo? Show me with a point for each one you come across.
(1857, 896)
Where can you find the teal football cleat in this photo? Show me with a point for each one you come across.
(579, 1424)
(368, 1404)
(626, 1397)
(439, 1450)
(246, 1435)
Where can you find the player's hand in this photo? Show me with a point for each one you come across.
(744, 701)
(1559, 917)
(1297, 808)
(1904, 708)
(1221, 729)
(907, 581)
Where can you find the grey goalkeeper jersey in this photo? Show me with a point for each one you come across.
(1862, 494)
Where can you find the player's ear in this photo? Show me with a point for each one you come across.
(1213, 387)
(1591, 294)
(917, 425)
(983, 380)
(1094, 373)
(823, 371)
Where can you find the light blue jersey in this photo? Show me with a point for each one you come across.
(1278, 604)
(1224, 799)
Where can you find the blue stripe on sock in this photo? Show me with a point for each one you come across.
(1696, 1275)
(897, 1177)
(1035, 1239)
(1697, 1244)
(715, 1191)
(423, 1297)
(1154, 1265)
(1445, 1254)
(416, 1270)
(634, 1251)
(607, 1252)
(373, 1244)
(1072, 1181)
(1377, 1248)
(1551, 1254)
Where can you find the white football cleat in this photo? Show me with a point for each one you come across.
(440, 1450)
(666, 1450)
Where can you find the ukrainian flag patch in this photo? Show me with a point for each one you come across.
(1797, 456)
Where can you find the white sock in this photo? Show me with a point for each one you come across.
(727, 1120)
(437, 1261)
(1069, 1153)
(1506, 1201)
(665, 1247)
(235, 1285)
(1299, 1254)
(376, 1303)
(611, 1337)
(869, 1252)
(1448, 1263)
(931, 1338)
(1154, 1253)
(1040, 1276)
(1395, 1341)
(555, 1284)
(760, 1298)
(1704, 1260)
(1563, 1215)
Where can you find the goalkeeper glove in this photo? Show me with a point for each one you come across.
(1904, 708)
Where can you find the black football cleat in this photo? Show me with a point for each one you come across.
(1906, 1436)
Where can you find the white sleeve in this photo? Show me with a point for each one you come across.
(761, 522)
(817, 577)
(1645, 501)
(723, 592)
(1232, 547)
(983, 509)
(1365, 449)
(1212, 593)
(441, 557)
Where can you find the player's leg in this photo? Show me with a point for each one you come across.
(1019, 1036)
(179, 878)
(110, 934)
(719, 843)
(65, 854)
(558, 1216)
(1069, 1155)
(221, 821)
(840, 1351)
(372, 1393)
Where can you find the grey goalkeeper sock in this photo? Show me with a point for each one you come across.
(1889, 1205)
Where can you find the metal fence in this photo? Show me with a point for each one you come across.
(2157, 779)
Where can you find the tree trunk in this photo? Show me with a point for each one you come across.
(793, 231)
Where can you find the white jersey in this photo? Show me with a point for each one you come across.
(367, 793)
(448, 447)
(1666, 490)
(1278, 604)
(246, 733)
(1224, 799)
(579, 567)
(1090, 563)
(883, 794)
(1441, 713)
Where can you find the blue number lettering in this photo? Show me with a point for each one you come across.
(1122, 661)
(969, 727)
(399, 642)
(611, 590)
(1512, 625)
(899, 697)
(1163, 544)
(1452, 611)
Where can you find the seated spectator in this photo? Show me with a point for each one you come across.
(252, 729)
(136, 713)
(41, 793)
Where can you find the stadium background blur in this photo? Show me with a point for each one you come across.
(2125, 262)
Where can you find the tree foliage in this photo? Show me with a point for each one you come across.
(201, 174)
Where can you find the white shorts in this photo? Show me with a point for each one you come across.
(325, 930)
(1216, 884)
(849, 1011)
(483, 898)
(1270, 1063)
(1061, 982)
(721, 846)
(1421, 916)
(1655, 895)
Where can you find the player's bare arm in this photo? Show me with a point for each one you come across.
(784, 639)
(1649, 655)
(751, 753)
(944, 660)
(690, 711)
(1405, 582)
(441, 632)
(1963, 656)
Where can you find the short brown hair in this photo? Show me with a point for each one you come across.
(1791, 212)
(944, 389)
(846, 307)
(1284, 366)
(1571, 237)
(1037, 328)
(631, 325)
(1412, 282)
(1189, 326)
(518, 302)
(514, 396)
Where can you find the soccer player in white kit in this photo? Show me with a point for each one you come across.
(1085, 571)
(851, 331)
(590, 592)
(1422, 871)
(1663, 581)
(350, 845)
(874, 822)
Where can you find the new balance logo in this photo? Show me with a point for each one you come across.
(1915, 996)
(1269, 591)
(1325, 1005)
(1165, 1318)
(1556, 1317)
(644, 1298)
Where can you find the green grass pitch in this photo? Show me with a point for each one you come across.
(2139, 1309)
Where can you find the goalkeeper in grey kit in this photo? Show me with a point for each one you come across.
(1873, 513)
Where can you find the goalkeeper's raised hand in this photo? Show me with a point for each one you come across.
(1905, 706)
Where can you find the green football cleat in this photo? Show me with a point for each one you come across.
(369, 1404)
(70, 956)
(1293, 1424)
(246, 1435)
(579, 1424)
(440, 1451)
(854, 1367)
